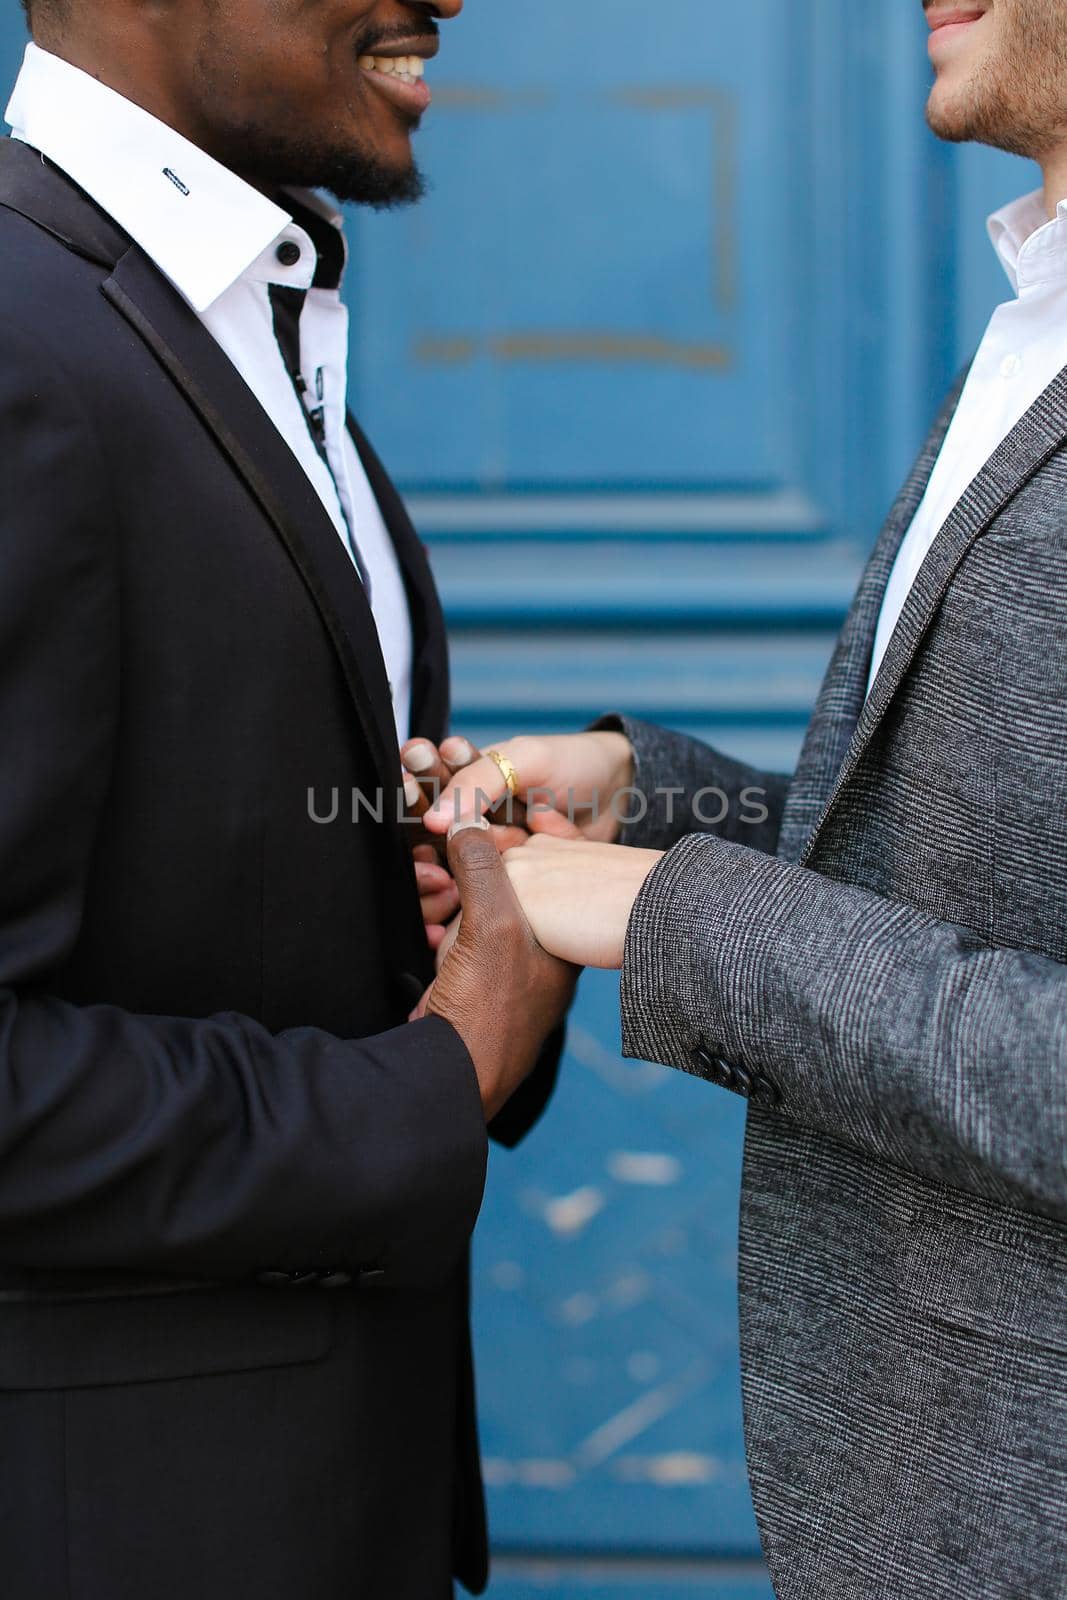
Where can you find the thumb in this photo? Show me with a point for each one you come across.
(479, 871)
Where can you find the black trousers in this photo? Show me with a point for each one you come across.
(312, 1481)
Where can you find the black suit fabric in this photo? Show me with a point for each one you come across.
(236, 1187)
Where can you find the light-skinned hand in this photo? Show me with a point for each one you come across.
(574, 786)
(578, 896)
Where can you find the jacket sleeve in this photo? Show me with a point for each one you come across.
(684, 786)
(169, 1143)
(906, 1037)
(530, 1101)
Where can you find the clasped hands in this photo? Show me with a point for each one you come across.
(575, 885)
(524, 903)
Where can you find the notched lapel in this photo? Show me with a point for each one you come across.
(242, 428)
(1042, 431)
(38, 191)
(840, 703)
(430, 675)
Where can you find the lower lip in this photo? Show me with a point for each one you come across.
(414, 98)
(949, 31)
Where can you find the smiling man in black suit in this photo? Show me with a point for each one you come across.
(236, 1185)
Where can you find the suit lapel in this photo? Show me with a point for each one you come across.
(840, 702)
(218, 393)
(1040, 433)
(430, 685)
(37, 190)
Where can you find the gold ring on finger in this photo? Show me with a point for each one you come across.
(507, 771)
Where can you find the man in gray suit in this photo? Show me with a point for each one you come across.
(874, 954)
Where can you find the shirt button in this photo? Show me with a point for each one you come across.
(288, 252)
(1011, 366)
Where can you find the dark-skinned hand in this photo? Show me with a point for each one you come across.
(428, 770)
(501, 992)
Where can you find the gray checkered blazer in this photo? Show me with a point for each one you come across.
(880, 969)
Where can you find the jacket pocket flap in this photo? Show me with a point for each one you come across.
(87, 1341)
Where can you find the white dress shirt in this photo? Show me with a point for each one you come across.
(1024, 349)
(217, 239)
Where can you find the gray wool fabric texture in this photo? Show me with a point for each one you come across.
(887, 949)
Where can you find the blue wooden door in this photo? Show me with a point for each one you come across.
(649, 363)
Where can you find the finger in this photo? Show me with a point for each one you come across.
(435, 935)
(431, 879)
(419, 755)
(440, 908)
(507, 838)
(510, 814)
(483, 884)
(423, 760)
(412, 796)
(458, 753)
(552, 824)
(477, 789)
(425, 852)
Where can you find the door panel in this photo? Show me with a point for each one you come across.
(596, 140)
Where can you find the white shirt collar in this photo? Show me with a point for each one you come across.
(1031, 249)
(203, 226)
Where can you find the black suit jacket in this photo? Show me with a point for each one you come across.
(212, 1110)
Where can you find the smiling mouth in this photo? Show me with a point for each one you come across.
(408, 69)
(961, 17)
(397, 73)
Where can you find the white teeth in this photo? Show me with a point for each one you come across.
(408, 68)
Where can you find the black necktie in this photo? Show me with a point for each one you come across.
(286, 305)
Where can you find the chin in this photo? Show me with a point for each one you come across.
(950, 112)
(379, 186)
(963, 116)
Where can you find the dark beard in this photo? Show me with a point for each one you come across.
(270, 161)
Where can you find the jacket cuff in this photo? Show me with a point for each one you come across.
(530, 1101)
(439, 1151)
(695, 971)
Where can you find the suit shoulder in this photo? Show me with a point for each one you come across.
(42, 279)
(51, 306)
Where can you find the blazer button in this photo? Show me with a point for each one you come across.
(703, 1061)
(370, 1276)
(743, 1082)
(766, 1093)
(286, 1280)
(334, 1280)
(724, 1075)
